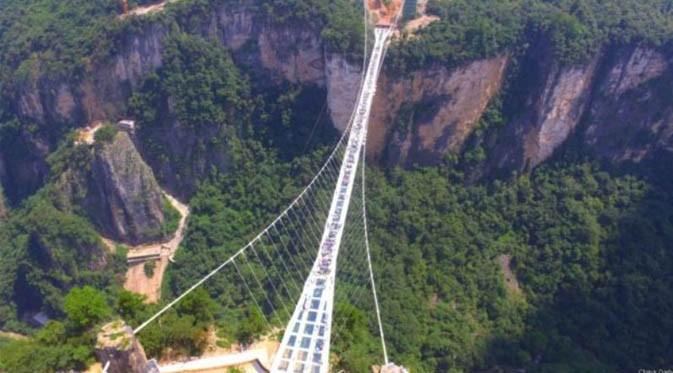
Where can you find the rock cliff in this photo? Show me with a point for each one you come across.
(119, 193)
(116, 345)
(420, 117)
(616, 104)
(125, 199)
(548, 105)
(268, 50)
(630, 117)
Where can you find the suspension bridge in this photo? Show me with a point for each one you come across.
(316, 253)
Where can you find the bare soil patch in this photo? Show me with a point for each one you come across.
(505, 262)
(137, 280)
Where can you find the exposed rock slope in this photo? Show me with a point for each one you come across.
(272, 51)
(631, 115)
(551, 106)
(125, 197)
(617, 104)
(420, 117)
(119, 193)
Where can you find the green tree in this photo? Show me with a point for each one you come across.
(85, 307)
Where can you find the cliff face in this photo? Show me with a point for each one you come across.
(117, 345)
(631, 115)
(118, 192)
(420, 117)
(549, 102)
(616, 103)
(124, 198)
(102, 93)
(269, 51)
(294, 53)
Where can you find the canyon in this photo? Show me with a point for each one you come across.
(613, 106)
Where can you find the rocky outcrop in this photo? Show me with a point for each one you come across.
(103, 92)
(552, 108)
(293, 53)
(124, 198)
(617, 103)
(343, 84)
(273, 51)
(119, 349)
(419, 118)
(118, 192)
(631, 115)
(53, 104)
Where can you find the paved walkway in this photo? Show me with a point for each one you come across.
(257, 357)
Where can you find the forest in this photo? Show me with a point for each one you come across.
(588, 244)
(573, 29)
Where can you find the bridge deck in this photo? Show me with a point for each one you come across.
(306, 342)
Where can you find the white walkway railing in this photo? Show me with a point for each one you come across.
(306, 343)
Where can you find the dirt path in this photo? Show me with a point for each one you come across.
(419, 23)
(136, 279)
(505, 262)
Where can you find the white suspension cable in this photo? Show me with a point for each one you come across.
(270, 280)
(303, 267)
(282, 261)
(254, 299)
(252, 271)
(230, 259)
(369, 258)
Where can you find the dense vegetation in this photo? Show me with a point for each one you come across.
(46, 251)
(578, 237)
(53, 37)
(591, 249)
(573, 29)
(340, 22)
(60, 345)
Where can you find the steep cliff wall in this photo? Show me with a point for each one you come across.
(267, 50)
(118, 192)
(616, 102)
(548, 104)
(617, 105)
(343, 84)
(420, 117)
(104, 89)
(295, 53)
(124, 198)
(631, 115)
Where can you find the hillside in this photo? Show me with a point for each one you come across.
(523, 141)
